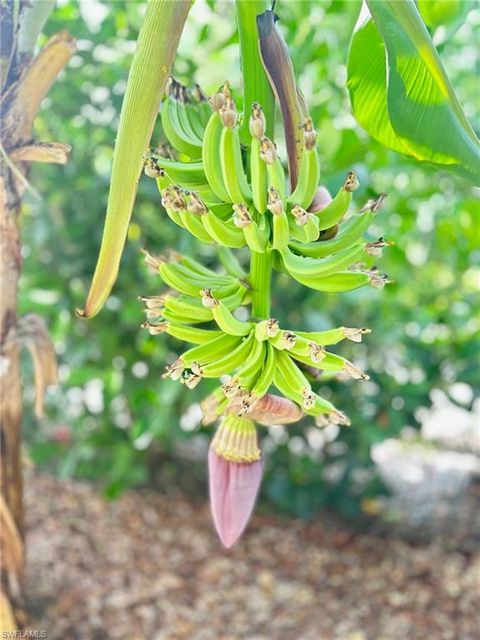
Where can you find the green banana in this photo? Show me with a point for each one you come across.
(338, 207)
(173, 202)
(255, 237)
(174, 216)
(252, 366)
(350, 233)
(233, 360)
(331, 362)
(336, 283)
(186, 309)
(194, 118)
(180, 318)
(311, 402)
(187, 174)
(266, 329)
(321, 406)
(293, 376)
(289, 378)
(334, 363)
(297, 233)
(320, 268)
(280, 226)
(264, 230)
(308, 349)
(326, 418)
(225, 286)
(190, 268)
(257, 234)
(193, 223)
(188, 306)
(224, 233)
(284, 387)
(334, 336)
(181, 279)
(265, 379)
(308, 223)
(255, 240)
(231, 263)
(194, 335)
(284, 340)
(162, 180)
(224, 317)
(203, 106)
(192, 112)
(275, 172)
(211, 156)
(211, 351)
(188, 131)
(311, 228)
(156, 328)
(258, 177)
(309, 171)
(174, 131)
(231, 159)
(280, 231)
(196, 267)
(211, 200)
(171, 276)
(231, 302)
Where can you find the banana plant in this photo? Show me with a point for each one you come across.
(222, 180)
(240, 196)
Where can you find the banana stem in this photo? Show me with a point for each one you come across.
(256, 87)
(260, 280)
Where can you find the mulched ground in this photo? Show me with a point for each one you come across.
(148, 566)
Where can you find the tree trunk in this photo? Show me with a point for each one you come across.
(11, 485)
(25, 82)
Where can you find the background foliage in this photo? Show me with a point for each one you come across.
(113, 417)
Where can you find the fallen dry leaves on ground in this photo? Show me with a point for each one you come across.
(149, 566)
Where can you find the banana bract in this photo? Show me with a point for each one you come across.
(237, 197)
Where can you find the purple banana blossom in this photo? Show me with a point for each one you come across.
(233, 491)
(321, 199)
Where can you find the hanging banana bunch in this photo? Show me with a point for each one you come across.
(221, 179)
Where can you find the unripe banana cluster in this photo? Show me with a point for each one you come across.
(209, 188)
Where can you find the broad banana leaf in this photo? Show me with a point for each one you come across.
(401, 94)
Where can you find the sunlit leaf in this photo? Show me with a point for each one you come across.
(368, 90)
(400, 93)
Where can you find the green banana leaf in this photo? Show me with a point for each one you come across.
(400, 92)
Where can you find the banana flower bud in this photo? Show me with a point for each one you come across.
(235, 473)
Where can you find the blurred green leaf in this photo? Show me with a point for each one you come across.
(441, 12)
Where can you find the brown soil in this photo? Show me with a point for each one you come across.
(149, 566)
